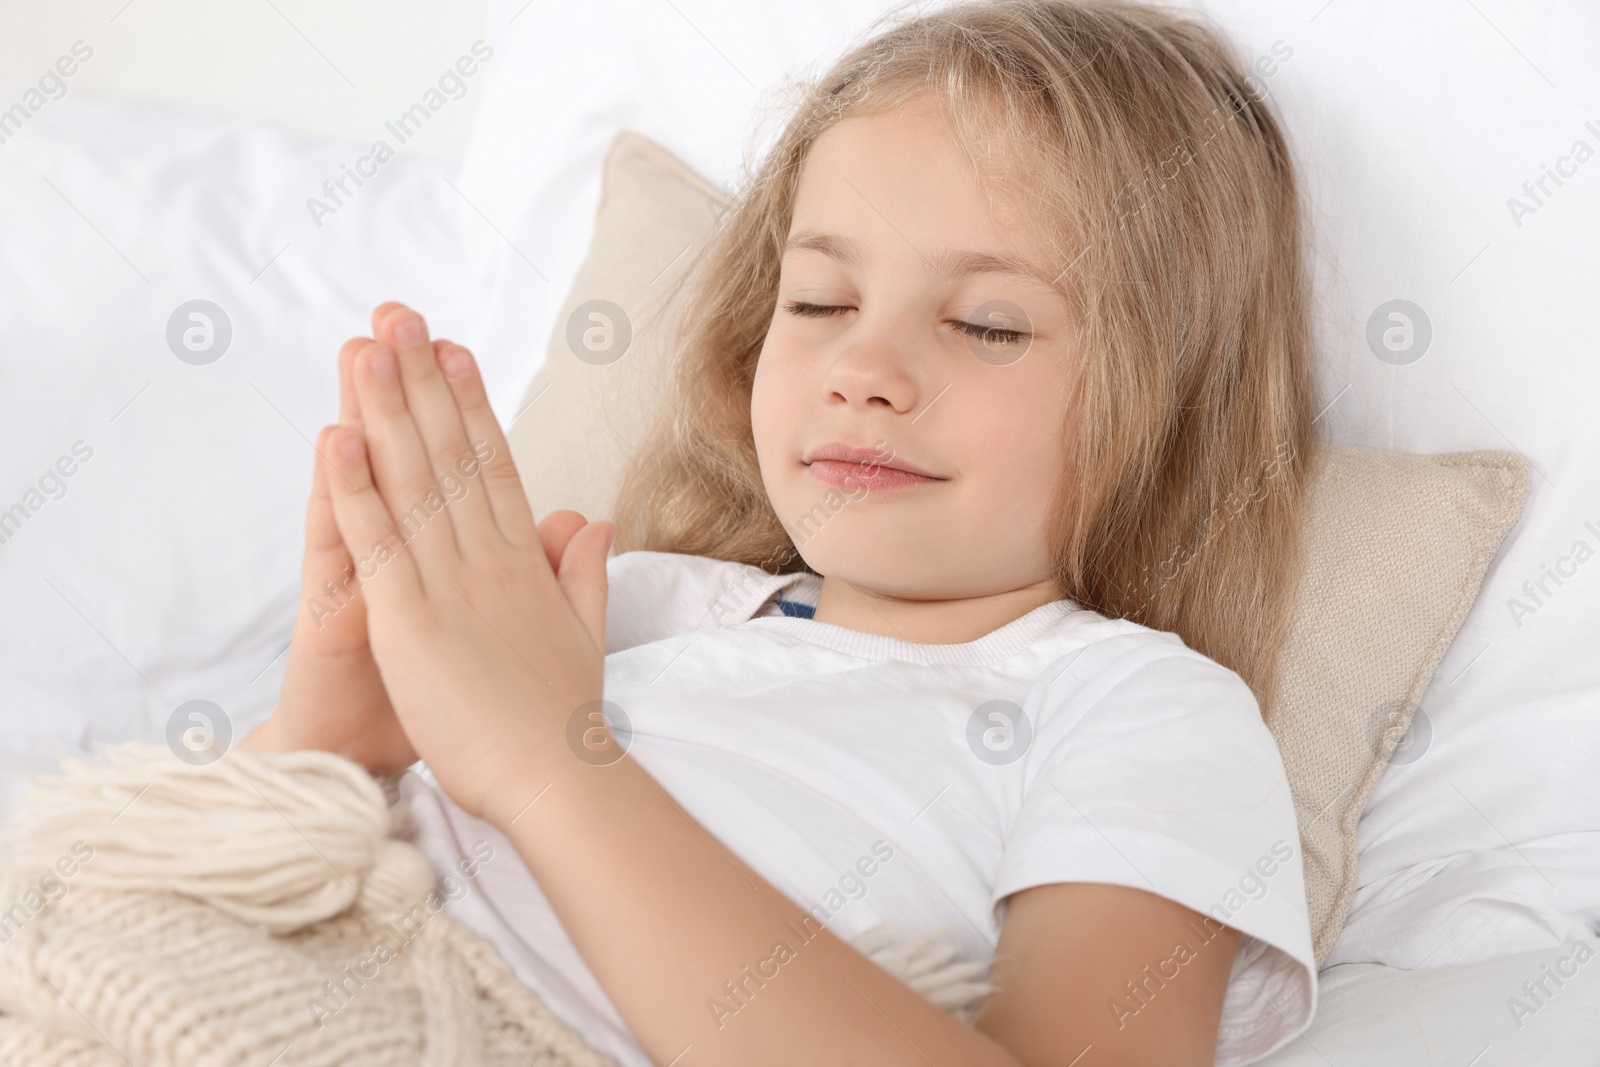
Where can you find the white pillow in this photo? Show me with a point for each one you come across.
(1414, 125)
(164, 568)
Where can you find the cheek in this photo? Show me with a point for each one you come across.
(772, 407)
(1019, 442)
(1015, 452)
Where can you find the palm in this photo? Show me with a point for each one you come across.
(333, 697)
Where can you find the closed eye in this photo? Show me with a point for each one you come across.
(991, 335)
(814, 311)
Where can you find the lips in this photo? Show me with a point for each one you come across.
(855, 468)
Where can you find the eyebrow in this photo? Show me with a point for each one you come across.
(954, 263)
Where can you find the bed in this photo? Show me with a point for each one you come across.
(163, 569)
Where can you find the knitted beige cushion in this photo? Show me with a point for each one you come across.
(1398, 543)
(253, 910)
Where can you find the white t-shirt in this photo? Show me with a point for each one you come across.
(875, 780)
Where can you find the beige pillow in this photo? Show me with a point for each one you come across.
(595, 398)
(1398, 543)
(1397, 546)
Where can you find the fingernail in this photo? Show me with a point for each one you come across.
(611, 537)
(408, 331)
(457, 363)
(350, 446)
(382, 364)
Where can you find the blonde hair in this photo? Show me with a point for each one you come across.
(1165, 191)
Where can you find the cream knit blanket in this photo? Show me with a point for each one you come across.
(258, 912)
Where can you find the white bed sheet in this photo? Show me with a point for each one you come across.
(1371, 1015)
(166, 569)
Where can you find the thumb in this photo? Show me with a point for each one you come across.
(583, 580)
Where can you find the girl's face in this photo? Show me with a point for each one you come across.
(907, 450)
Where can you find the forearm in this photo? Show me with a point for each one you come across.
(672, 924)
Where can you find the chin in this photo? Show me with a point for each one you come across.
(872, 567)
(894, 563)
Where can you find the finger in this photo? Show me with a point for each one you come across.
(402, 474)
(384, 569)
(349, 411)
(511, 510)
(326, 563)
(555, 531)
(433, 407)
(326, 570)
(583, 577)
(381, 313)
(322, 533)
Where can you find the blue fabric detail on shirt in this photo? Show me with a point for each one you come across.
(795, 609)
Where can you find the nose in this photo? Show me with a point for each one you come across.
(870, 372)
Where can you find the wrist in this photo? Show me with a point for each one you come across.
(275, 734)
(265, 736)
(496, 774)
(533, 781)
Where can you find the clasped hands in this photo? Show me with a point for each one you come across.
(437, 620)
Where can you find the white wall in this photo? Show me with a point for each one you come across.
(326, 68)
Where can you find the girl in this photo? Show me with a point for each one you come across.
(1001, 369)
